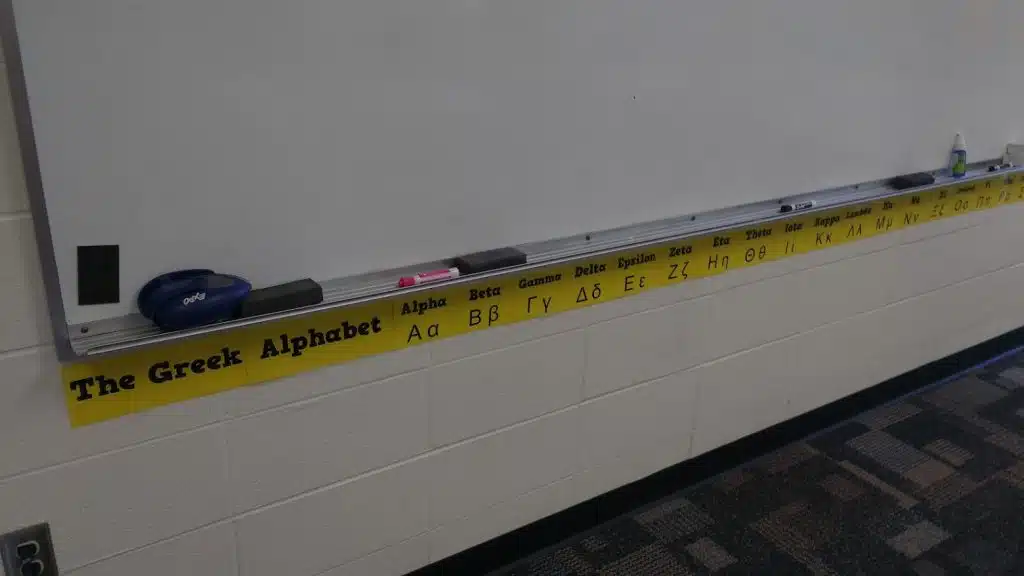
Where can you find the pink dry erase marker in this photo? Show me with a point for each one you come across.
(424, 277)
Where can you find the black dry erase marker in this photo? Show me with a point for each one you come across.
(798, 206)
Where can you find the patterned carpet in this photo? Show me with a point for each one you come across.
(930, 485)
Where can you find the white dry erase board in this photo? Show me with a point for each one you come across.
(324, 139)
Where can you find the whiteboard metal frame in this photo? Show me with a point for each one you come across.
(34, 180)
(132, 332)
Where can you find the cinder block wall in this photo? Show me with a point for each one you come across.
(389, 463)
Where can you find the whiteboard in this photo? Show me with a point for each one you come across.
(325, 138)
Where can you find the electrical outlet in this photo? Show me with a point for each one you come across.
(28, 552)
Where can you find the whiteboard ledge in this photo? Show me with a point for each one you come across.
(133, 332)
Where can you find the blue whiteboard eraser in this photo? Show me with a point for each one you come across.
(191, 298)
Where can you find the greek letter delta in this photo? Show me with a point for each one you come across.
(296, 345)
(589, 270)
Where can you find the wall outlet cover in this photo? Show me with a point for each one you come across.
(28, 552)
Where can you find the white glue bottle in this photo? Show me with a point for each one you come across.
(958, 158)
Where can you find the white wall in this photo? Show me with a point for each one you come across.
(389, 463)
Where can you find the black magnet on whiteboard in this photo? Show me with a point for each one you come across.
(912, 181)
(490, 260)
(190, 298)
(282, 297)
(99, 279)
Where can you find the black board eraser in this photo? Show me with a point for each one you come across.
(912, 181)
(490, 260)
(282, 297)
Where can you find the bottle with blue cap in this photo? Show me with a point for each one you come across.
(958, 158)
